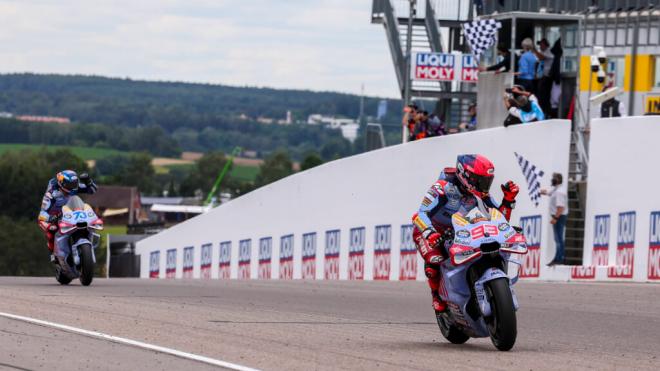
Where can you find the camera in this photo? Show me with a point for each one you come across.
(595, 66)
(600, 77)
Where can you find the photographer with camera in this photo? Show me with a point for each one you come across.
(522, 105)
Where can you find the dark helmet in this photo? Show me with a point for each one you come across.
(67, 180)
(475, 173)
(523, 103)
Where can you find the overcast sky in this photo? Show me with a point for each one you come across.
(302, 44)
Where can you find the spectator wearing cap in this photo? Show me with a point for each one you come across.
(471, 124)
(545, 57)
(523, 107)
(527, 65)
(504, 64)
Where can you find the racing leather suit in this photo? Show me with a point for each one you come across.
(51, 207)
(443, 199)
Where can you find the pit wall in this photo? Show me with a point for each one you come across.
(351, 218)
(622, 226)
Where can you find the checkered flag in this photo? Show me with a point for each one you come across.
(533, 176)
(481, 34)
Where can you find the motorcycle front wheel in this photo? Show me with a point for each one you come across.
(502, 322)
(451, 333)
(86, 265)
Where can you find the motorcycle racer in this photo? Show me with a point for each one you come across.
(457, 189)
(65, 184)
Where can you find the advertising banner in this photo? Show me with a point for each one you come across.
(625, 247)
(382, 249)
(356, 254)
(429, 66)
(532, 229)
(154, 264)
(286, 257)
(654, 247)
(188, 262)
(265, 253)
(408, 254)
(205, 261)
(332, 248)
(309, 256)
(601, 240)
(170, 265)
(244, 258)
(224, 260)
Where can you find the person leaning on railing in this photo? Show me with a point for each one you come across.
(522, 105)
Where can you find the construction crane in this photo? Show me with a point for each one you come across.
(222, 174)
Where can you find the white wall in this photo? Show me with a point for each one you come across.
(624, 176)
(383, 187)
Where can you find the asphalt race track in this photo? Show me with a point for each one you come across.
(304, 325)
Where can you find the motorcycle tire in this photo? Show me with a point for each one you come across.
(86, 265)
(451, 333)
(63, 279)
(502, 322)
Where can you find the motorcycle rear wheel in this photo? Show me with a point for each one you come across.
(502, 322)
(62, 278)
(451, 333)
(86, 265)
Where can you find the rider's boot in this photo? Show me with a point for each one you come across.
(438, 304)
(433, 276)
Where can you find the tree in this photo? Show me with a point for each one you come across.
(276, 166)
(134, 170)
(205, 173)
(310, 161)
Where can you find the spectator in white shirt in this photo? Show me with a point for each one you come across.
(558, 215)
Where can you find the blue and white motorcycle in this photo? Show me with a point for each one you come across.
(75, 243)
(475, 283)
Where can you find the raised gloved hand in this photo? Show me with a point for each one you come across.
(85, 179)
(510, 190)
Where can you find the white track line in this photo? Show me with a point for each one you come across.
(139, 344)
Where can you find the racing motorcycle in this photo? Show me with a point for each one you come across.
(75, 243)
(475, 283)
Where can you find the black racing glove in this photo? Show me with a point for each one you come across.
(85, 179)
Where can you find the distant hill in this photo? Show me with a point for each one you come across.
(171, 105)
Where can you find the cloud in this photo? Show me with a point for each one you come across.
(320, 45)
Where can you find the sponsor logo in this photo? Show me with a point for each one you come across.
(482, 231)
(600, 254)
(244, 255)
(286, 257)
(581, 272)
(434, 66)
(625, 247)
(469, 69)
(265, 253)
(154, 264)
(188, 253)
(654, 247)
(224, 260)
(170, 264)
(331, 265)
(309, 256)
(408, 256)
(503, 226)
(356, 253)
(382, 248)
(205, 261)
(463, 233)
(531, 226)
(427, 201)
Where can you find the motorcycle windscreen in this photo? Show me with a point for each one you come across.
(75, 203)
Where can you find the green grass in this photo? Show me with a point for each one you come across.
(86, 153)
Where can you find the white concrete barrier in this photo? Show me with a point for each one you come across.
(351, 218)
(622, 226)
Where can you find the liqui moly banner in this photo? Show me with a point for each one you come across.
(224, 260)
(356, 254)
(188, 255)
(408, 255)
(601, 240)
(265, 254)
(625, 247)
(286, 257)
(154, 264)
(331, 265)
(170, 264)
(444, 67)
(469, 68)
(309, 256)
(382, 249)
(654, 246)
(532, 229)
(205, 261)
(244, 255)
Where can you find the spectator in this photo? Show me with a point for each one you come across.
(421, 124)
(558, 215)
(409, 120)
(523, 107)
(546, 58)
(435, 127)
(555, 76)
(504, 64)
(471, 125)
(612, 107)
(527, 66)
